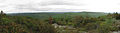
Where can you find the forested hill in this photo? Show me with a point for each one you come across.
(60, 14)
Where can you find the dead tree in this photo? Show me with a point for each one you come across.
(50, 20)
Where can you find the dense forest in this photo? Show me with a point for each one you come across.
(79, 22)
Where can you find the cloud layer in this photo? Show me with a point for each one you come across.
(18, 6)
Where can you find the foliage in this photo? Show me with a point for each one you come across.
(21, 24)
(82, 22)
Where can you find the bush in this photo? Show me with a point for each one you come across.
(15, 24)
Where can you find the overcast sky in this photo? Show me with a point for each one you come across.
(19, 6)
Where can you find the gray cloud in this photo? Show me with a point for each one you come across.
(63, 9)
(59, 5)
(40, 6)
(1, 1)
(33, 7)
(59, 2)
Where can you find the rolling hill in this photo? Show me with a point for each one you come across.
(59, 14)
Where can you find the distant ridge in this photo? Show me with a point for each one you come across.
(59, 14)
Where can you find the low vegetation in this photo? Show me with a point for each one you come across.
(20, 24)
(65, 22)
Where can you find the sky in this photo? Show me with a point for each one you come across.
(20, 6)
